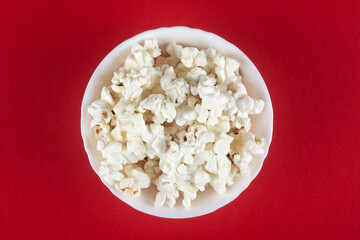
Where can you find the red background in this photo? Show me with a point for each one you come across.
(308, 54)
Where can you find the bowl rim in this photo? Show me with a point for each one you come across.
(251, 65)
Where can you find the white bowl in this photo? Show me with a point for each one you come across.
(262, 124)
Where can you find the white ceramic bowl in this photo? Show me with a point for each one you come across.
(262, 124)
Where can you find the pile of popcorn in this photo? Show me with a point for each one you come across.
(179, 121)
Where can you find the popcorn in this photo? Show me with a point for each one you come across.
(151, 168)
(245, 104)
(159, 144)
(175, 88)
(222, 144)
(211, 161)
(160, 106)
(194, 74)
(141, 179)
(135, 145)
(258, 106)
(189, 192)
(201, 179)
(100, 111)
(168, 193)
(200, 59)
(142, 56)
(190, 115)
(179, 122)
(152, 47)
(206, 137)
(107, 97)
(100, 128)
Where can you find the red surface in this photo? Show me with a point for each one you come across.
(308, 54)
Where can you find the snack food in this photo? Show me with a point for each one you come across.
(180, 122)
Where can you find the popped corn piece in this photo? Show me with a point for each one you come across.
(201, 178)
(200, 59)
(100, 129)
(126, 183)
(152, 47)
(175, 88)
(138, 59)
(222, 144)
(245, 104)
(142, 56)
(136, 146)
(104, 169)
(206, 137)
(159, 144)
(190, 115)
(211, 164)
(115, 175)
(160, 199)
(141, 179)
(190, 193)
(106, 96)
(258, 106)
(160, 106)
(188, 159)
(194, 74)
(100, 111)
(168, 193)
(180, 70)
(151, 168)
